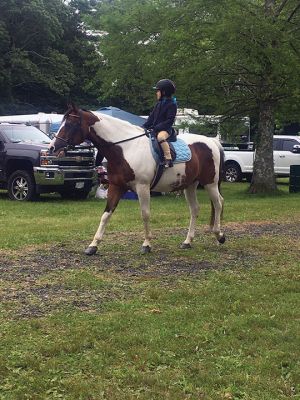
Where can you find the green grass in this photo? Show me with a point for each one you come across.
(53, 220)
(124, 326)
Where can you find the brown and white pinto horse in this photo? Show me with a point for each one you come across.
(132, 166)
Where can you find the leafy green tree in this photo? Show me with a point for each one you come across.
(235, 58)
(252, 62)
(44, 49)
(130, 42)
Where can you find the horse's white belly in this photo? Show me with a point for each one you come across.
(142, 164)
(172, 179)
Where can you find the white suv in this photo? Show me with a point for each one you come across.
(239, 160)
(286, 153)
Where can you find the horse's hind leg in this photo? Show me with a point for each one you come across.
(217, 208)
(143, 192)
(191, 197)
(113, 197)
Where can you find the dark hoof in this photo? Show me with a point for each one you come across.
(185, 246)
(222, 239)
(145, 249)
(91, 250)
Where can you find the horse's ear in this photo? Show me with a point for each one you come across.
(72, 107)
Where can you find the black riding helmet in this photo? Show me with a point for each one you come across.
(166, 86)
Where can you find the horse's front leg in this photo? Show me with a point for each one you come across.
(143, 192)
(113, 196)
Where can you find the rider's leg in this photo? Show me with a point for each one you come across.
(162, 140)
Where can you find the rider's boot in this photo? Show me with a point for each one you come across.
(168, 163)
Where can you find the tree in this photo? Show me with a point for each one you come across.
(261, 72)
(130, 43)
(242, 58)
(232, 57)
(43, 54)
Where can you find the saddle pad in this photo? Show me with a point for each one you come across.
(182, 150)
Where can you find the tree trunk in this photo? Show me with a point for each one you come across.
(263, 180)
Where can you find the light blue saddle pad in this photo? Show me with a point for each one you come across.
(182, 150)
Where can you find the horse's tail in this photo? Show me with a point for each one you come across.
(221, 177)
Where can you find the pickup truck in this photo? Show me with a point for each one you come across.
(239, 158)
(27, 169)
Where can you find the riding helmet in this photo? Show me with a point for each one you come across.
(166, 86)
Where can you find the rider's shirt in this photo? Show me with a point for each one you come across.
(162, 116)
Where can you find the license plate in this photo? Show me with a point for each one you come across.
(79, 185)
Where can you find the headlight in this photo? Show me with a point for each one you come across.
(44, 153)
(45, 159)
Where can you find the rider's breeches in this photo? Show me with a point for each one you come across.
(162, 140)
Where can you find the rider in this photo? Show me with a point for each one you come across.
(163, 116)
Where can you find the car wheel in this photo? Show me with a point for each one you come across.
(21, 186)
(232, 173)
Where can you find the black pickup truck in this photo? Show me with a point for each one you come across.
(27, 169)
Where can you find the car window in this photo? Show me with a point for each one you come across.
(288, 145)
(23, 133)
(277, 144)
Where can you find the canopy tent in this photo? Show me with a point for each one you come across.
(54, 127)
(124, 115)
(114, 112)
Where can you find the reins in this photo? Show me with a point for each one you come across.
(124, 140)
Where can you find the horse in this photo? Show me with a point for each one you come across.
(131, 166)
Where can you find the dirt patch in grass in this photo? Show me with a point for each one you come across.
(264, 228)
(38, 281)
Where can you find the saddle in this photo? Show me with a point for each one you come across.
(180, 151)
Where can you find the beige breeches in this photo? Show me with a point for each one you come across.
(162, 140)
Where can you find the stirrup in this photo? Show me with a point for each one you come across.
(168, 164)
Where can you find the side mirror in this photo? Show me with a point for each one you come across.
(296, 148)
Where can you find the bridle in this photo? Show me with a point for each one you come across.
(62, 139)
(67, 141)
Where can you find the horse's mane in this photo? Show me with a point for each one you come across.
(118, 123)
(71, 108)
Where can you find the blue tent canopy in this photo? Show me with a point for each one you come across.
(124, 115)
(54, 127)
(114, 112)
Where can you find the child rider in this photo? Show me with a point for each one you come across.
(163, 116)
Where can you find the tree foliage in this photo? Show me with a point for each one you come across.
(231, 57)
(43, 54)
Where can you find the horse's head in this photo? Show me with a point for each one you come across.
(75, 128)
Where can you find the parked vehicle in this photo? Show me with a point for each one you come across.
(239, 158)
(27, 169)
(47, 123)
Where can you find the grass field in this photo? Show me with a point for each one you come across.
(215, 322)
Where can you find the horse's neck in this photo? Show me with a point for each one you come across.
(108, 131)
(114, 130)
